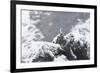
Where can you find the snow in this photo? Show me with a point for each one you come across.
(61, 58)
(80, 32)
(29, 30)
(35, 50)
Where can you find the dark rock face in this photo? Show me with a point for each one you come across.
(73, 50)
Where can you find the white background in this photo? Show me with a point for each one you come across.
(5, 36)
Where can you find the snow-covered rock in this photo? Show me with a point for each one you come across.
(79, 39)
(81, 32)
(31, 33)
(39, 52)
(59, 39)
(76, 44)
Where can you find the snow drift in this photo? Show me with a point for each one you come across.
(40, 52)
